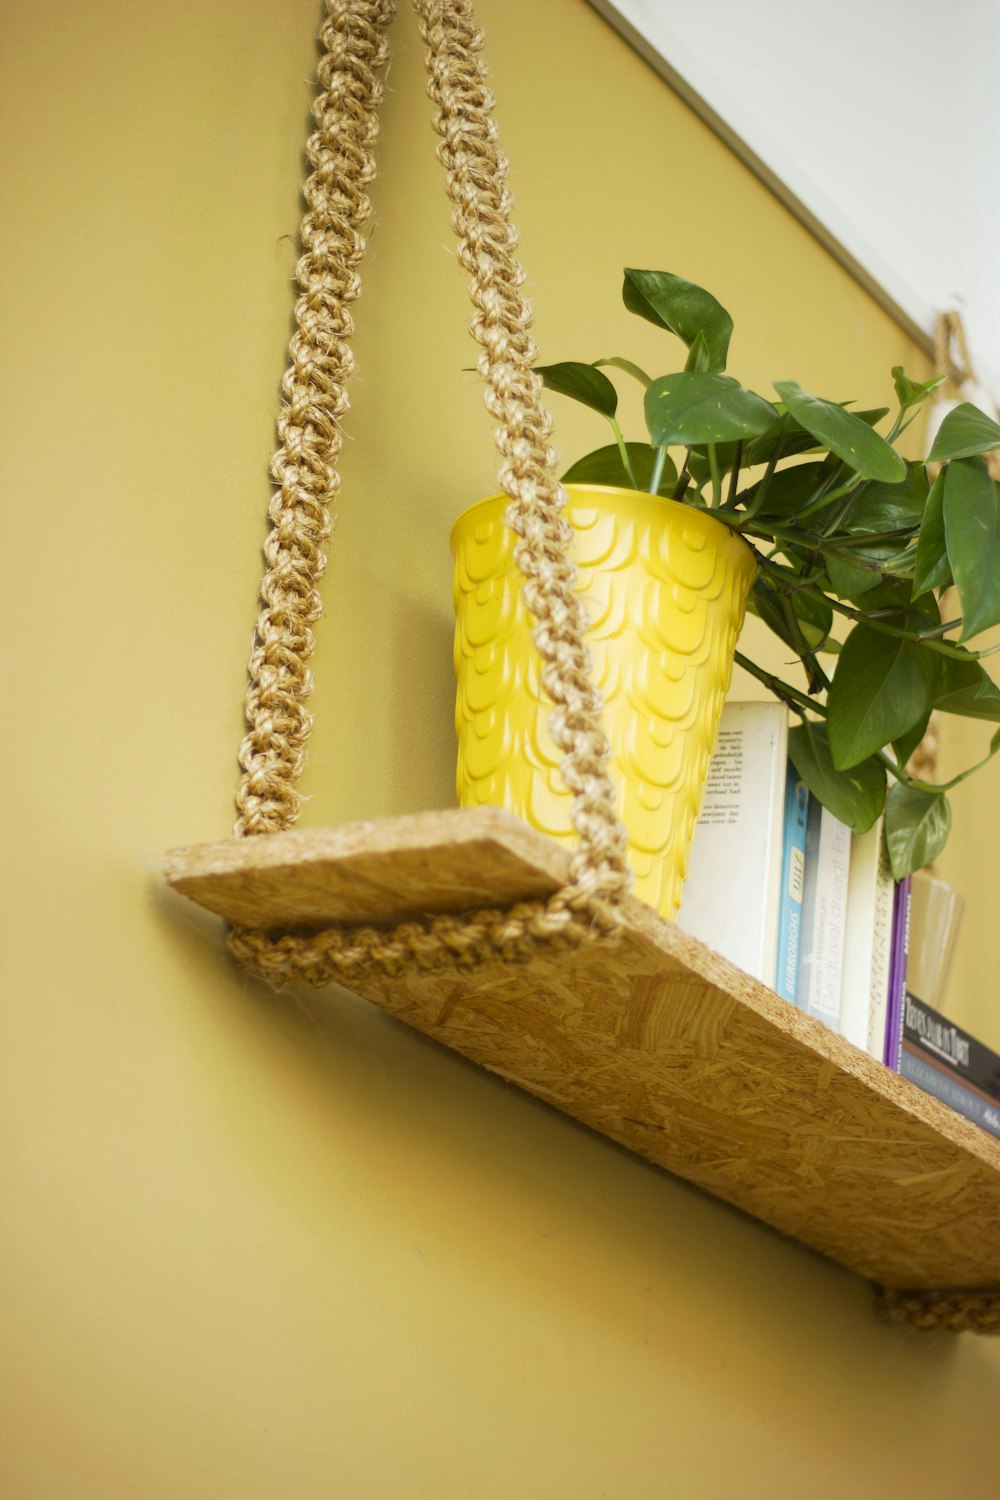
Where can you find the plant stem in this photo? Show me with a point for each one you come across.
(734, 475)
(626, 461)
(772, 464)
(713, 469)
(661, 458)
(783, 690)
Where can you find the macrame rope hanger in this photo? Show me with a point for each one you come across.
(341, 156)
(340, 153)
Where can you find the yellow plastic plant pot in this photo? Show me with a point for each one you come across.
(666, 588)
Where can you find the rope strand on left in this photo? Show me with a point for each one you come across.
(340, 152)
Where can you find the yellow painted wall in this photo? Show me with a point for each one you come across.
(261, 1248)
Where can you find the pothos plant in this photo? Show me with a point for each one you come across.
(854, 547)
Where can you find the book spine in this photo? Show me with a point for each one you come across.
(878, 995)
(870, 892)
(793, 863)
(822, 955)
(897, 976)
(947, 1045)
(936, 1081)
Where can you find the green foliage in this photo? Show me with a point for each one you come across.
(690, 408)
(972, 538)
(683, 308)
(584, 383)
(964, 433)
(917, 824)
(852, 545)
(842, 433)
(605, 466)
(856, 798)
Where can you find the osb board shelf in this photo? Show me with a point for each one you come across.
(656, 1042)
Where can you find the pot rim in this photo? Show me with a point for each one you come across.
(612, 492)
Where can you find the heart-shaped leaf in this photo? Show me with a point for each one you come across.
(583, 383)
(856, 796)
(882, 687)
(689, 408)
(685, 309)
(964, 432)
(972, 532)
(917, 825)
(843, 433)
(604, 466)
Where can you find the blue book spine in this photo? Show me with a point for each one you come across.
(793, 863)
(949, 1090)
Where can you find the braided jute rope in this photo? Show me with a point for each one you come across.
(340, 153)
(942, 1312)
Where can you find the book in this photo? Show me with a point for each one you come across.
(897, 975)
(949, 1087)
(793, 865)
(935, 919)
(824, 911)
(867, 941)
(946, 1045)
(731, 895)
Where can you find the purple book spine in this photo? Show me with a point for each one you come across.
(897, 975)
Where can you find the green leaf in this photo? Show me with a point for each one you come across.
(689, 408)
(843, 433)
(699, 360)
(904, 747)
(886, 507)
(882, 687)
(604, 466)
(972, 532)
(856, 796)
(698, 465)
(583, 383)
(849, 581)
(964, 432)
(917, 825)
(678, 305)
(629, 368)
(933, 570)
(789, 490)
(912, 392)
(794, 438)
(966, 688)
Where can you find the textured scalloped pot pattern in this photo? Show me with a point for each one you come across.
(666, 589)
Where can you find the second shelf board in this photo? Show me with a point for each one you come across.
(656, 1042)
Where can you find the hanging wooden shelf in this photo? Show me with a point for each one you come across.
(656, 1042)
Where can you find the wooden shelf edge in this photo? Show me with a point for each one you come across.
(656, 1042)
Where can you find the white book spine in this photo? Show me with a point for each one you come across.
(828, 855)
(867, 943)
(733, 887)
(878, 998)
